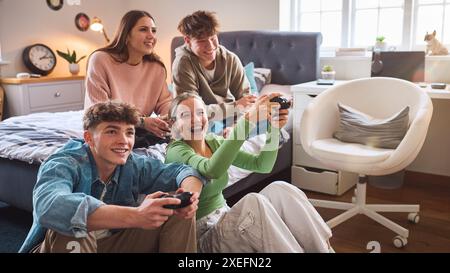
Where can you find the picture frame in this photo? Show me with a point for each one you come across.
(55, 4)
(82, 21)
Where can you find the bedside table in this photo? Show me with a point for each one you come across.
(46, 94)
(308, 173)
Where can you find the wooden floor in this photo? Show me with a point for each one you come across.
(431, 234)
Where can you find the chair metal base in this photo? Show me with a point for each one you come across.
(370, 210)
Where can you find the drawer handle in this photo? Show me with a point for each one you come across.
(57, 94)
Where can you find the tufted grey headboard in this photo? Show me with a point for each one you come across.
(293, 57)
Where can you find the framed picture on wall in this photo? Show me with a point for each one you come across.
(55, 4)
(82, 21)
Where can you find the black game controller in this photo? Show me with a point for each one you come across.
(284, 103)
(185, 198)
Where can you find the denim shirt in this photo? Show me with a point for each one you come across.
(68, 189)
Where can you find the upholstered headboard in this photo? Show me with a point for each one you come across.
(293, 57)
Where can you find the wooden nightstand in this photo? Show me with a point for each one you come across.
(46, 94)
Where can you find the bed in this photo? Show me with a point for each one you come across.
(292, 58)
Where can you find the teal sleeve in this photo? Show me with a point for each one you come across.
(265, 160)
(222, 157)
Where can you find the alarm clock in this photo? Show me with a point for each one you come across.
(39, 59)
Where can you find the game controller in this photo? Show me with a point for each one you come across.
(284, 103)
(185, 198)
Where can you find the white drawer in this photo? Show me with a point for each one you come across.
(329, 182)
(301, 101)
(51, 95)
(301, 158)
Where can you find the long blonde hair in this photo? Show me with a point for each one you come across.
(174, 106)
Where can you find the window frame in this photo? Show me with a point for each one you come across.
(348, 12)
(413, 44)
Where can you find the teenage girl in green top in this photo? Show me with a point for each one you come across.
(278, 219)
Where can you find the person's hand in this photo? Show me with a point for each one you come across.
(151, 214)
(189, 211)
(246, 101)
(157, 126)
(279, 119)
(260, 111)
(226, 132)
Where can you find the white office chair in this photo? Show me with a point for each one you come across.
(381, 98)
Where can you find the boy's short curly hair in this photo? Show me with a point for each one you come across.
(110, 112)
(199, 24)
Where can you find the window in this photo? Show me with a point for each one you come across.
(356, 23)
(323, 16)
(432, 15)
(375, 18)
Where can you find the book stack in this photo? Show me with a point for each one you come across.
(355, 51)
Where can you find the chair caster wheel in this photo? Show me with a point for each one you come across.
(414, 217)
(399, 241)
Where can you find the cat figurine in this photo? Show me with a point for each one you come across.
(434, 47)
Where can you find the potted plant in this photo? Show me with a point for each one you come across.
(74, 67)
(380, 44)
(328, 72)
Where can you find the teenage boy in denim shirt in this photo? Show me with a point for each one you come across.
(86, 195)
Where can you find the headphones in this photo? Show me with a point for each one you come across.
(377, 63)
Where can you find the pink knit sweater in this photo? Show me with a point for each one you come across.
(143, 85)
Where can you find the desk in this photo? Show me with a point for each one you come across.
(306, 172)
(311, 88)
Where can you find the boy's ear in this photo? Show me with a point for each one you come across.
(434, 33)
(187, 40)
(87, 135)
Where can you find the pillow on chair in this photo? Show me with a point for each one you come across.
(357, 127)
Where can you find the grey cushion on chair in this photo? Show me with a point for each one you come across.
(357, 127)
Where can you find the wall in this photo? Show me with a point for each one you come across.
(434, 157)
(232, 14)
(39, 24)
(25, 22)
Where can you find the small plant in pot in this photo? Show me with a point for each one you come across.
(74, 67)
(380, 43)
(328, 72)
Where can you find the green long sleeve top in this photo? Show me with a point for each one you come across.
(226, 152)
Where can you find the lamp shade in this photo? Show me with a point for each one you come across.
(96, 24)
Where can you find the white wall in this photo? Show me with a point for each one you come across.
(25, 22)
(39, 24)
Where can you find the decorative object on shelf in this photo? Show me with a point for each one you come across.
(96, 25)
(328, 72)
(434, 47)
(82, 21)
(55, 4)
(74, 67)
(73, 2)
(380, 44)
(39, 59)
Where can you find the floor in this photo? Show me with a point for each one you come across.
(14, 226)
(431, 234)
